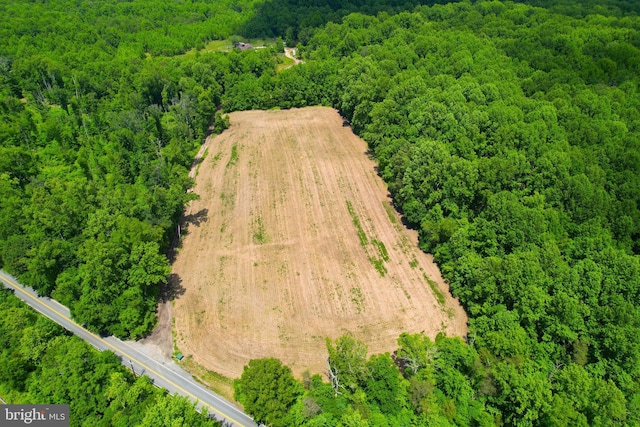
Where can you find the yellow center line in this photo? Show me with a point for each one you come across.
(116, 350)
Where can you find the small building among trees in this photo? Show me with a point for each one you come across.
(243, 46)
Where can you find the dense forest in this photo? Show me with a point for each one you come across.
(508, 134)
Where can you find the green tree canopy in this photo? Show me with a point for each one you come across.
(267, 390)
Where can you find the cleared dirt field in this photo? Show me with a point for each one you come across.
(294, 240)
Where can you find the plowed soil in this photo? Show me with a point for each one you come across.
(272, 260)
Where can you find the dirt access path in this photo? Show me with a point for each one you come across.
(288, 52)
(159, 344)
(294, 240)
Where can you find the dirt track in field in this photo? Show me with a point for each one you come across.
(272, 262)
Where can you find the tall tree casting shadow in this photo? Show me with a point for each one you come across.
(173, 289)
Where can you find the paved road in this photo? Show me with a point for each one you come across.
(170, 377)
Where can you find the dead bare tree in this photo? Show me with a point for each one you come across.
(332, 373)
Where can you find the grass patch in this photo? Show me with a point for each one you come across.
(390, 212)
(379, 265)
(226, 45)
(260, 235)
(204, 156)
(357, 298)
(212, 46)
(198, 316)
(213, 380)
(234, 156)
(382, 249)
(436, 290)
(215, 159)
(356, 221)
(8, 396)
(414, 262)
(378, 262)
(284, 63)
(218, 46)
(227, 199)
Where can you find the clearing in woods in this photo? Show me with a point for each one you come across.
(294, 240)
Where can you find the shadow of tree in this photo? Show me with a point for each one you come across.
(292, 19)
(196, 218)
(174, 289)
(198, 160)
(183, 229)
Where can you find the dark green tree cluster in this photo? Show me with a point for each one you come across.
(130, 27)
(40, 362)
(267, 390)
(427, 383)
(584, 8)
(424, 383)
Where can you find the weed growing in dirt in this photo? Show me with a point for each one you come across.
(357, 298)
(379, 265)
(204, 156)
(198, 316)
(390, 212)
(228, 199)
(234, 156)
(356, 221)
(215, 159)
(434, 287)
(382, 249)
(260, 235)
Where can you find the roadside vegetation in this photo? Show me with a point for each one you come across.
(41, 362)
(508, 135)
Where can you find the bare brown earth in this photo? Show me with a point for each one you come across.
(271, 262)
